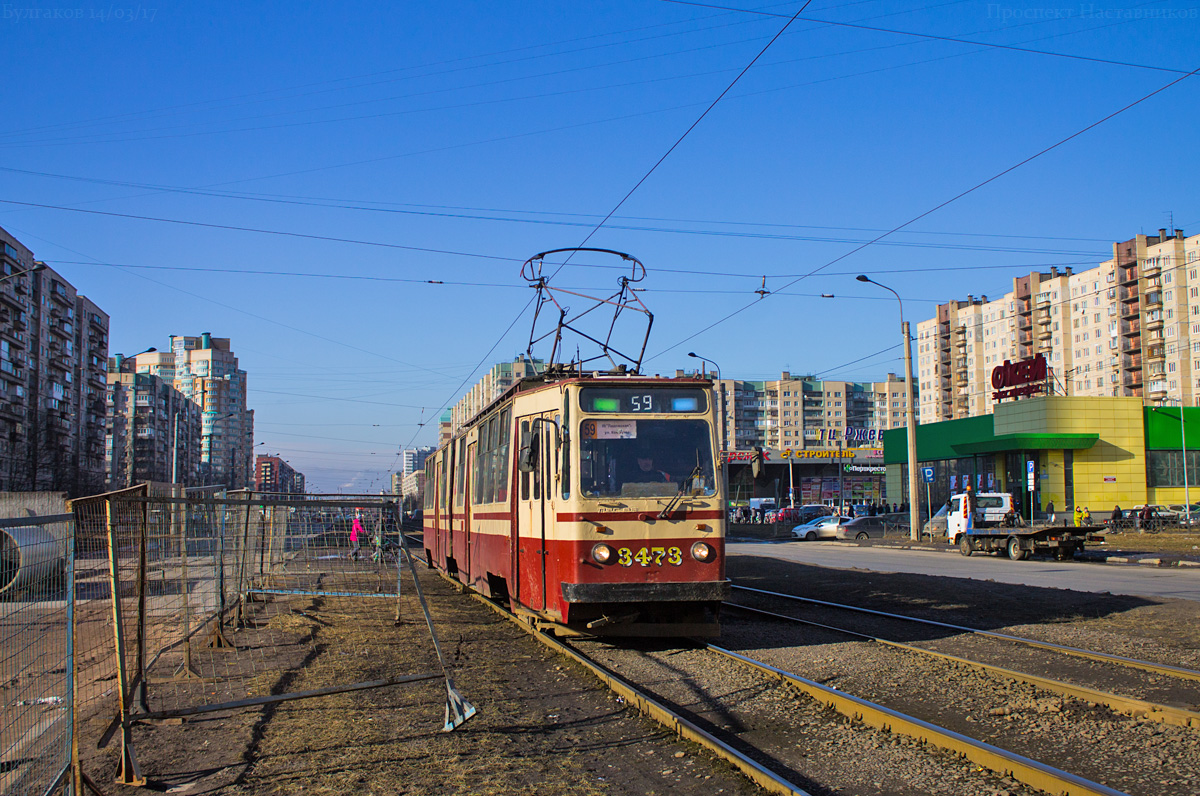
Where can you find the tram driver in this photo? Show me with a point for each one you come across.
(646, 471)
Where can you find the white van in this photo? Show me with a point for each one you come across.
(991, 509)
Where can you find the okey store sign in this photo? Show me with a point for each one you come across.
(1017, 379)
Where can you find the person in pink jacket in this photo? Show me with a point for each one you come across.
(356, 530)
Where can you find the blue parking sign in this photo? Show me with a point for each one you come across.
(928, 473)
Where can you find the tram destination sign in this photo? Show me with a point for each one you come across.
(1019, 379)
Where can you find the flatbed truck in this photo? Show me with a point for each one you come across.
(997, 528)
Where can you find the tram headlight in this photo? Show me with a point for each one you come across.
(602, 553)
(703, 552)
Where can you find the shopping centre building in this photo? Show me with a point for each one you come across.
(1095, 452)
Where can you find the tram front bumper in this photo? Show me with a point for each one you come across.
(708, 591)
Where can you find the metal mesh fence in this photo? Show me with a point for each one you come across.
(35, 653)
(194, 602)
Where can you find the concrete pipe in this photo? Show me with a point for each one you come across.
(29, 555)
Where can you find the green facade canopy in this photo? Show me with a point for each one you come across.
(1026, 442)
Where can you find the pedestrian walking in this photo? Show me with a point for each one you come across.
(356, 532)
(1144, 517)
(970, 504)
(1050, 511)
(1078, 516)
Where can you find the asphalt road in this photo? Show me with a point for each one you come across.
(1140, 580)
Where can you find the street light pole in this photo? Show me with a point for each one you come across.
(914, 505)
(36, 267)
(721, 442)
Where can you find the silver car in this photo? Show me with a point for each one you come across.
(819, 528)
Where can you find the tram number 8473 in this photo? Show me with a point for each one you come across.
(647, 556)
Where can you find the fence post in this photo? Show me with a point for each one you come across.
(217, 640)
(185, 670)
(128, 773)
(242, 568)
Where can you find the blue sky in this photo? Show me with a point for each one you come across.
(447, 142)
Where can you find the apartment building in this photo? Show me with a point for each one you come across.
(205, 369)
(1128, 327)
(273, 474)
(801, 413)
(153, 429)
(493, 384)
(53, 353)
(413, 460)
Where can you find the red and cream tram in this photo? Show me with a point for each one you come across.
(592, 503)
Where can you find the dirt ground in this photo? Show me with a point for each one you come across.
(543, 726)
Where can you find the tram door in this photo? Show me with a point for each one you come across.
(535, 513)
(464, 565)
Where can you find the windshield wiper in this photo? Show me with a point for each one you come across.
(697, 470)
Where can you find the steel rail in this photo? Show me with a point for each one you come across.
(1031, 772)
(1133, 663)
(1132, 706)
(755, 772)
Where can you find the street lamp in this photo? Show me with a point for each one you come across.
(721, 442)
(36, 267)
(717, 368)
(914, 511)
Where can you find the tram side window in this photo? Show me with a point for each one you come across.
(443, 461)
(501, 464)
(565, 458)
(524, 475)
(429, 501)
(483, 463)
(460, 467)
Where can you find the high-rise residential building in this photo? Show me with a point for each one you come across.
(803, 413)
(273, 474)
(153, 429)
(205, 369)
(413, 459)
(1128, 327)
(53, 354)
(493, 384)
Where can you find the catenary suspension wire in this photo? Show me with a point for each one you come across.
(630, 193)
(937, 207)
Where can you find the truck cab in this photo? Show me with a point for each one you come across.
(991, 509)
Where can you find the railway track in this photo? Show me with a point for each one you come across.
(1177, 689)
(1155, 751)
(733, 705)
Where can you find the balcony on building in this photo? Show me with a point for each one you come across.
(1151, 267)
(1154, 320)
(1155, 351)
(1024, 306)
(1132, 362)
(59, 294)
(1131, 328)
(1127, 274)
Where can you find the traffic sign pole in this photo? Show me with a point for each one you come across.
(1029, 483)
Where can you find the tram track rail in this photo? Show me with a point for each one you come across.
(1000, 761)
(1179, 672)
(1132, 706)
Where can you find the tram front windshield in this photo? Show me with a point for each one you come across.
(645, 458)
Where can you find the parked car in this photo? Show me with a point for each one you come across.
(819, 528)
(798, 515)
(861, 528)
